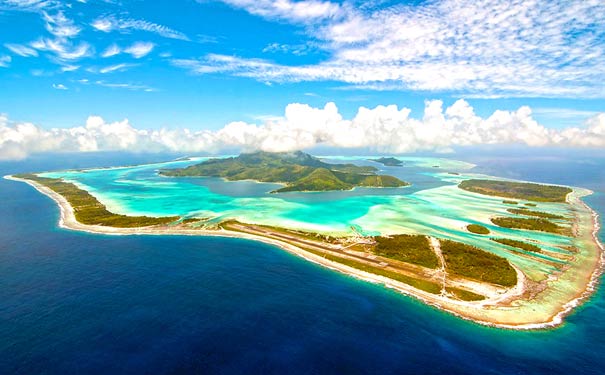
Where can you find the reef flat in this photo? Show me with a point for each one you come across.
(441, 243)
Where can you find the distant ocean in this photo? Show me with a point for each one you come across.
(92, 304)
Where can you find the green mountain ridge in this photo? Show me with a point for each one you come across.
(299, 171)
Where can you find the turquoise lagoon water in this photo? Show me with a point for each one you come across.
(78, 303)
(432, 205)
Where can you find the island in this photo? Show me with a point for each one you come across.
(297, 170)
(519, 190)
(477, 229)
(388, 161)
(510, 268)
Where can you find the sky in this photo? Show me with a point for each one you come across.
(391, 76)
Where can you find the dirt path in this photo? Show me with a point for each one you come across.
(436, 245)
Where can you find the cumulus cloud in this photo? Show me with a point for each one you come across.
(387, 129)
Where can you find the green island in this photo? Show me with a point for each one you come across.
(297, 170)
(469, 261)
(388, 161)
(413, 250)
(539, 224)
(88, 210)
(518, 244)
(517, 190)
(449, 271)
(541, 214)
(409, 248)
(396, 257)
(477, 229)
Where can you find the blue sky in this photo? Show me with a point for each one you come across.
(204, 64)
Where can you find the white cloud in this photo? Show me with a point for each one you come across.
(59, 86)
(5, 61)
(60, 26)
(592, 135)
(69, 68)
(111, 23)
(127, 86)
(116, 68)
(112, 50)
(297, 11)
(28, 5)
(63, 30)
(103, 24)
(63, 49)
(21, 50)
(295, 49)
(139, 49)
(117, 85)
(483, 48)
(558, 117)
(383, 128)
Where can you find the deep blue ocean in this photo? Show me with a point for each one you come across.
(77, 303)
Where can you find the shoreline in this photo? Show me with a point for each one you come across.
(482, 312)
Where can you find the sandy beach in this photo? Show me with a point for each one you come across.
(507, 310)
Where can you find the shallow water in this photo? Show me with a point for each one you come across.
(433, 205)
(79, 303)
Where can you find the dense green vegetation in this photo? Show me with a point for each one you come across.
(319, 179)
(518, 244)
(298, 170)
(478, 229)
(389, 162)
(517, 190)
(538, 224)
(427, 286)
(464, 295)
(88, 210)
(473, 263)
(531, 204)
(415, 249)
(527, 212)
(506, 201)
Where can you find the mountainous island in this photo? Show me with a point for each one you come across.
(388, 161)
(299, 171)
(499, 262)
